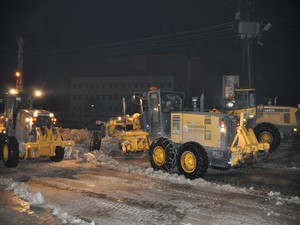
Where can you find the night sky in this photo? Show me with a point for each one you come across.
(59, 32)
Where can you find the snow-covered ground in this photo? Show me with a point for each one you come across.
(104, 159)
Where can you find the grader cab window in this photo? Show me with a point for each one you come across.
(171, 102)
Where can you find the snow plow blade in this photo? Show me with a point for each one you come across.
(135, 141)
(46, 144)
(245, 144)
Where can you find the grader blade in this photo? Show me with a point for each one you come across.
(245, 144)
(47, 140)
(135, 141)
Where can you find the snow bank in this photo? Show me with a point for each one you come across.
(102, 159)
(280, 200)
(20, 189)
(80, 136)
(67, 218)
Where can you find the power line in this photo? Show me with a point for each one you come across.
(167, 37)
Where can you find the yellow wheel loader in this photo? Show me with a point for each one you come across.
(270, 123)
(32, 129)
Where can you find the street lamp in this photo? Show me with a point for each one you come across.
(38, 93)
(13, 91)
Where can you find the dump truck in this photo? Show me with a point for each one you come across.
(27, 132)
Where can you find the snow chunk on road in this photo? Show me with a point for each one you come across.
(5, 182)
(67, 218)
(89, 157)
(37, 199)
(20, 189)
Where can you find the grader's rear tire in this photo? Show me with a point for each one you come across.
(266, 132)
(10, 152)
(162, 154)
(192, 160)
(95, 141)
(59, 154)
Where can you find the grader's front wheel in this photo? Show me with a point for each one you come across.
(95, 143)
(10, 152)
(59, 154)
(162, 154)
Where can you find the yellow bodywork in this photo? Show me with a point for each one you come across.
(45, 144)
(2, 127)
(128, 130)
(135, 141)
(245, 143)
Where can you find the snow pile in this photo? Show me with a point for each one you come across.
(109, 144)
(280, 200)
(101, 159)
(67, 218)
(5, 182)
(20, 189)
(89, 158)
(79, 136)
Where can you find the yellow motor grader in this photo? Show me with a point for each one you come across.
(193, 139)
(127, 130)
(188, 139)
(34, 129)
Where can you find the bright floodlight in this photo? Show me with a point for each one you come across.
(38, 93)
(18, 74)
(13, 91)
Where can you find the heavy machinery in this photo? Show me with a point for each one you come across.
(33, 128)
(134, 132)
(191, 140)
(126, 129)
(270, 123)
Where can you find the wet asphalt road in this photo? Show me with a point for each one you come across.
(14, 211)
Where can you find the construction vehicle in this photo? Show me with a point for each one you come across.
(191, 140)
(133, 132)
(34, 129)
(270, 123)
(126, 129)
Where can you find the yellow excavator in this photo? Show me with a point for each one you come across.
(33, 130)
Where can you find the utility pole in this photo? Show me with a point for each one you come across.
(248, 30)
(19, 73)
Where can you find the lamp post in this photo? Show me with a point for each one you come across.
(19, 85)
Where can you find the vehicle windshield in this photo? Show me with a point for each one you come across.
(171, 102)
(242, 100)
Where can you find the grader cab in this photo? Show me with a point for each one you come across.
(34, 129)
